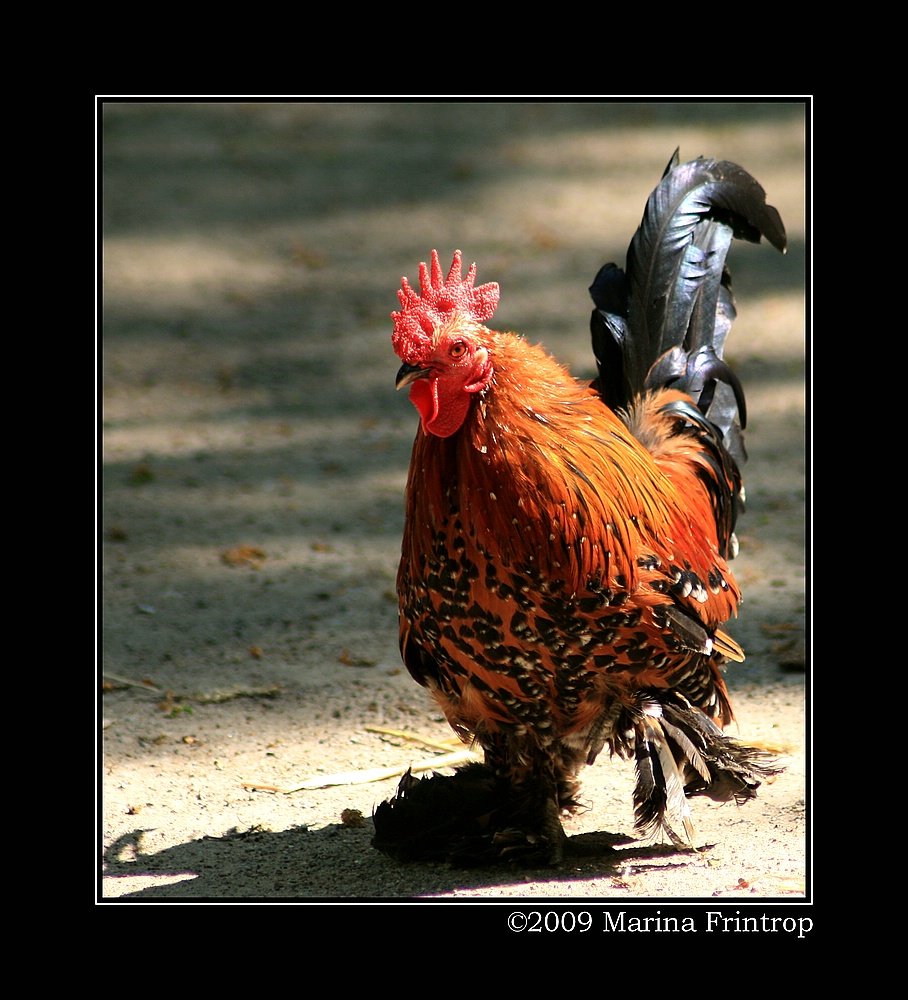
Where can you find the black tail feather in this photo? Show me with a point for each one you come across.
(665, 321)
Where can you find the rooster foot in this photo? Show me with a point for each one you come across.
(471, 819)
(543, 847)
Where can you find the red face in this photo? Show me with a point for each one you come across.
(447, 375)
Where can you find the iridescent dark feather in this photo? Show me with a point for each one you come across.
(664, 321)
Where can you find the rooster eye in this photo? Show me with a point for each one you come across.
(457, 349)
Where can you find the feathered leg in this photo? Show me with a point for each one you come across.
(437, 817)
(540, 787)
(680, 752)
(506, 810)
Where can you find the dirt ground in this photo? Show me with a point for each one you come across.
(252, 468)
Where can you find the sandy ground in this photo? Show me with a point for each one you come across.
(253, 462)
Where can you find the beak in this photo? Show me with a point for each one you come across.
(408, 374)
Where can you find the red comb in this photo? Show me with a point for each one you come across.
(420, 314)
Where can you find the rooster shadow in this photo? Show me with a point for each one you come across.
(338, 864)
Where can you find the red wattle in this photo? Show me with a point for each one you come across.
(424, 396)
(440, 416)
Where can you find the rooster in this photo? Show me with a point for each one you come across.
(564, 573)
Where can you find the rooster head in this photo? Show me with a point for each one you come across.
(440, 337)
